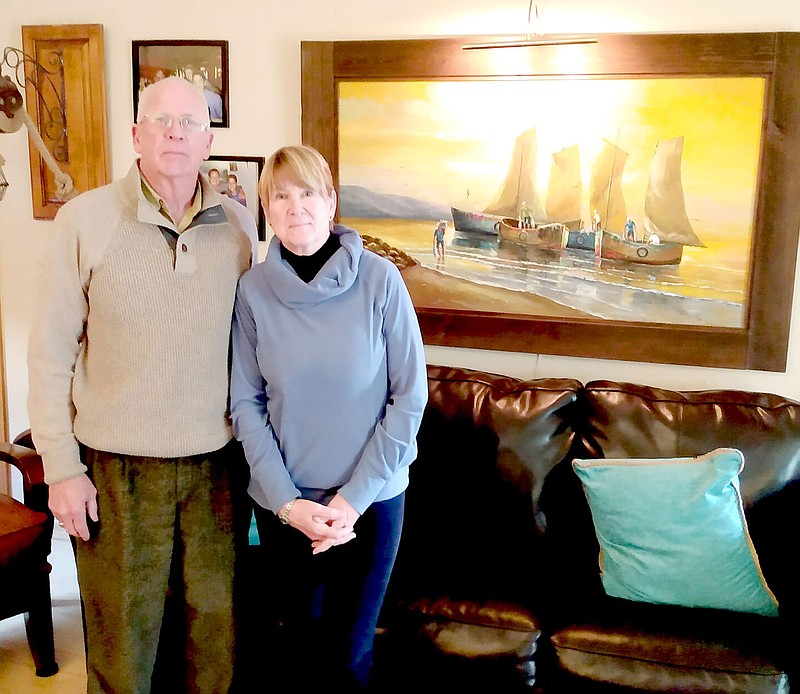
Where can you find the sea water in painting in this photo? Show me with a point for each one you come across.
(618, 199)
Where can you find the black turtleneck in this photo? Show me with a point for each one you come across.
(307, 266)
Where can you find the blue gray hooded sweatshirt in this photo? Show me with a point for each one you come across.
(328, 379)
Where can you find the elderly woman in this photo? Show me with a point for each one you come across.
(328, 387)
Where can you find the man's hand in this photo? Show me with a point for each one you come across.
(344, 524)
(70, 501)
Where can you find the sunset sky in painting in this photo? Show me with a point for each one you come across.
(450, 142)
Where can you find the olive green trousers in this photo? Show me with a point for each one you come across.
(158, 575)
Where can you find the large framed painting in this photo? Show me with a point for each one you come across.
(636, 198)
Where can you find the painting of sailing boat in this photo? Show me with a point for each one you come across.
(634, 209)
(501, 217)
(666, 228)
(517, 189)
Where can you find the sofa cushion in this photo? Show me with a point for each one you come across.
(465, 642)
(474, 629)
(672, 531)
(659, 648)
(485, 446)
(467, 569)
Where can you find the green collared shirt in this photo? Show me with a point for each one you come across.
(158, 203)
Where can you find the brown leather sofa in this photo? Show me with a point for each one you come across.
(497, 584)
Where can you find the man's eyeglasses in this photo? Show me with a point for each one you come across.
(165, 121)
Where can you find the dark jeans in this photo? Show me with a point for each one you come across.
(327, 605)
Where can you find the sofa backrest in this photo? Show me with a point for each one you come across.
(624, 420)
(486, 444)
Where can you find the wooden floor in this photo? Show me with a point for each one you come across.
(17, 674)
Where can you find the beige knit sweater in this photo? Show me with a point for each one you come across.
(129, 347)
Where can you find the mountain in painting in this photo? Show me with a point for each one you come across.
(357, 201)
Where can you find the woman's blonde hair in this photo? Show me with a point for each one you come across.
(303, 165)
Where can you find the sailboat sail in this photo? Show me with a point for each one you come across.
(664, 207)
(564, 188)
(520, 183)
(605, 188)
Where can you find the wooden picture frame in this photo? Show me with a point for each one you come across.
(205, 63)
(246, 172)
(761, 341)
(68, 108)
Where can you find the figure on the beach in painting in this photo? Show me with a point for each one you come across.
(438, 240)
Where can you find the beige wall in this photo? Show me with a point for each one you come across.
(264, 38)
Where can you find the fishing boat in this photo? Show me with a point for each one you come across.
(475, 222)
(666, 225)
(580, 240)
(520, 183)
(565, 188)
(614, 247)
(562, 208)
(563, 191)
(518, 186)
(606, 203)
(549, 237)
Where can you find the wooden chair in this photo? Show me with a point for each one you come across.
(26, 531)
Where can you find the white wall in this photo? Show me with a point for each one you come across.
(264, 38)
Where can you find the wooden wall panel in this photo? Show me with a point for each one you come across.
(83, 151)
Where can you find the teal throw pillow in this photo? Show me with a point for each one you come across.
(673, 531)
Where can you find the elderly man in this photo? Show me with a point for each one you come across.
(128, 362)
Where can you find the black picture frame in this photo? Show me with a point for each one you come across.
(247, 171)
(152, 60)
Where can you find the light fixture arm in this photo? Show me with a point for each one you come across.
(531, 6)
(531, 38)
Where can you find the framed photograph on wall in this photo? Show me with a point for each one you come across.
(237, 178)
(203, 63)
